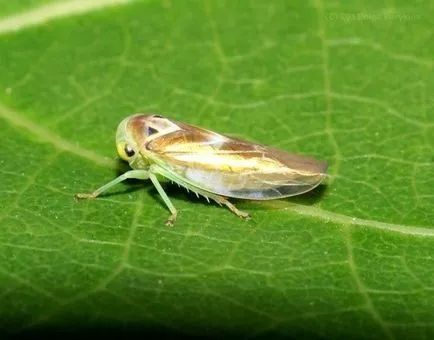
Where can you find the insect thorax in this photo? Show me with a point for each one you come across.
(140, 162)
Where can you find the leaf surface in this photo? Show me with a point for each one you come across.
(346, 83)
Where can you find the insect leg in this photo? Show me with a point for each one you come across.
(136, 174)
(166, 199)
(219, 199)
(233, 208)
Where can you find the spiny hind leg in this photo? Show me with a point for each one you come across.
(233, 208)
(155, 169)
(220, 200)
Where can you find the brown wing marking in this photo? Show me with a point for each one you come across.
(235, 168)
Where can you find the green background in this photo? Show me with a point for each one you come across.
(350, 83)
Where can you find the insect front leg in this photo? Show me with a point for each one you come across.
(132, 174)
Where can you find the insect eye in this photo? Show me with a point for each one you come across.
(129, 150)
(151, 131)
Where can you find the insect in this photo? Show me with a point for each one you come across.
(208, 163)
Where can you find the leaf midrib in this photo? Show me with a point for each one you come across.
(42, 14)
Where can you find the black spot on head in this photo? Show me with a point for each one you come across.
(157, 116)
(151, 131)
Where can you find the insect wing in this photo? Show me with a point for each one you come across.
(233, 167)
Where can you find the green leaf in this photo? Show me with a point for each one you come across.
(350, 83)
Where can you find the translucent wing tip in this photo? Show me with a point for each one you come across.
(307, 165)
(319, 169)
(297, 162)
(323, 167)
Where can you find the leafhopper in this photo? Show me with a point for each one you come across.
(209, 164)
